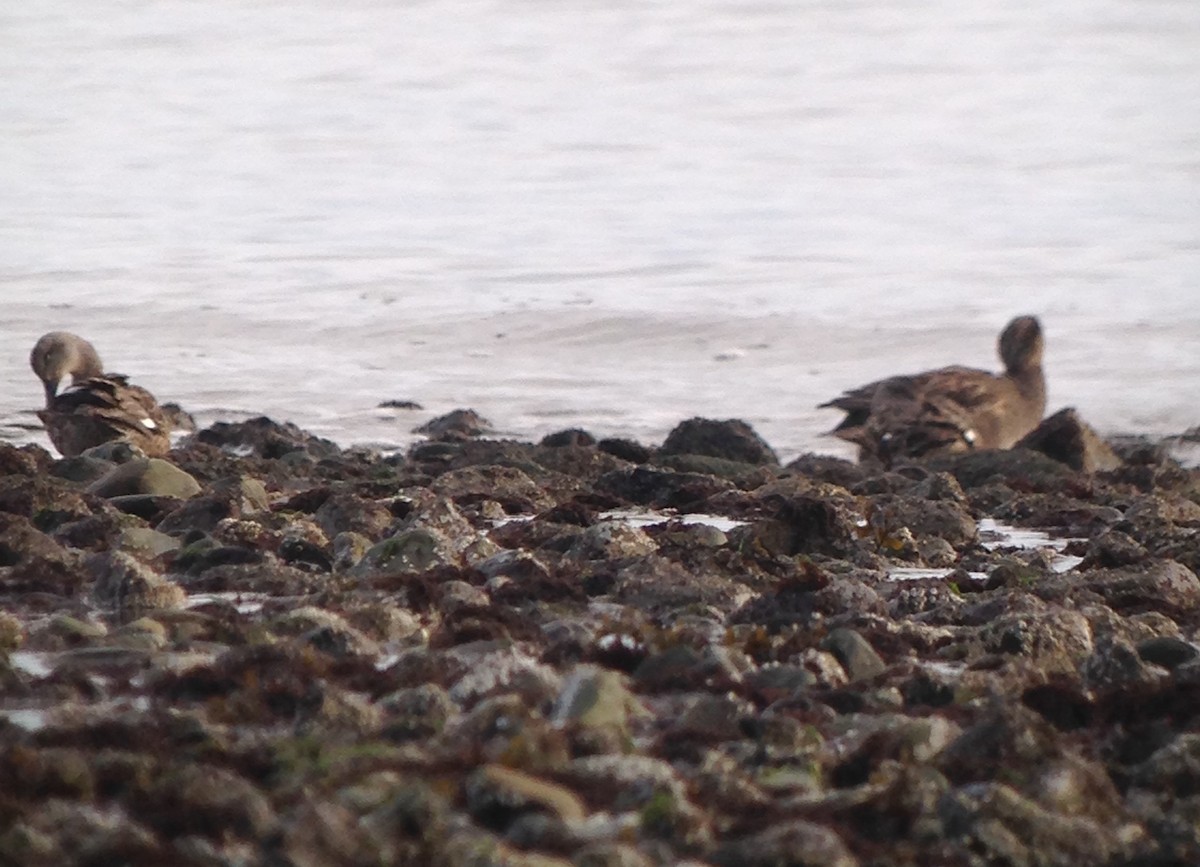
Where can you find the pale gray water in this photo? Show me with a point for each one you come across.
(607, 214)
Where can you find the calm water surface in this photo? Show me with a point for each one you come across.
(610, 215)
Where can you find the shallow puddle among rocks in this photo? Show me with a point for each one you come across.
(994, 535)
(31, 662)
(245, 603)
(639, 518)
(36, 718)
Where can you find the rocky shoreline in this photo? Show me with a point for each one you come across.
(271, 650)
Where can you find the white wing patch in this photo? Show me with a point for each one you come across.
(149, 424)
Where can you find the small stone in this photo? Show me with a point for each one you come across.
(496, 795)
(74, 630)
(142, 634)
(855, 654)
(415, 550)
(82, 469)
(936, 552)
(145, 542)
(115, 452)
(346, 512)
(1005, 827)
(611, 539)
(1164, 584)
(1174, 768)
(1167, 650)
(795, 843)
(247, 494)
(416, 712)
(348, 549)
(12, 633)
(623, 782)
(1115, 664)
(1113, 548)
(129, 587)
(595, 698)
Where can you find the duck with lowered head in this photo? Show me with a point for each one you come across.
(95, 407)
(951, 409)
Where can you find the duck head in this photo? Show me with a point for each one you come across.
(59, 355)
(1021, 344)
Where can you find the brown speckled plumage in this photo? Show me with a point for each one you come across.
(952, 409)
(97, 407)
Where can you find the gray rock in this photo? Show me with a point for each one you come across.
(148, 476)
(624, 782)
(855, 654)
(246, 494)
(348, 549)
(945, 519)
(83, 469)
(114, 452)
(1116, 664)
(497, 794)
(1167, 650)
(1006, 827)
(1159, 584)
(130, 587)
(1056, 640)
(610, 855)
(795, 843)
(732, 440)
(342, 513)
(509, 485)
(1066, 438)
(211, 796)
(493, 668)
(416, 712)
(408, 551)
(456, 424)
(1113, 548)
(74, 630)
(595, 698)
(1174, 768)
(144, 542)
(611, 539)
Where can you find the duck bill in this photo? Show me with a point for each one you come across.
(51, 390)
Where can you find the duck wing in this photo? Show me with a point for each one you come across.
(856, 403)
(102, 409)
(913, 416)
(885, 395)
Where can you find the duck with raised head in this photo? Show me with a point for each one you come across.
(951, 409)
(96, 407)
